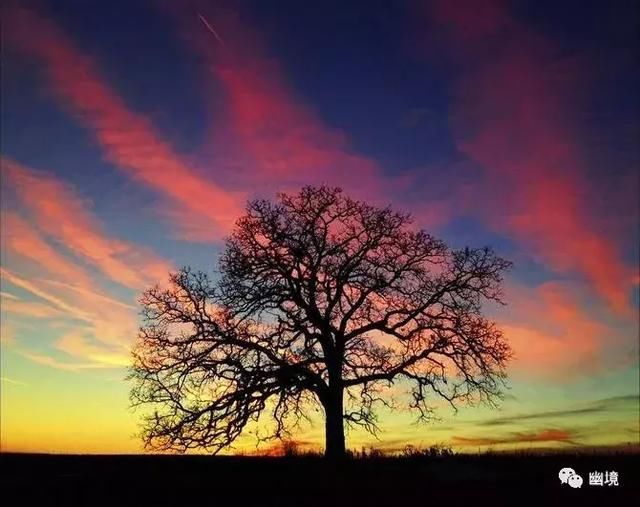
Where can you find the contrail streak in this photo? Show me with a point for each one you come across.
(210, 28)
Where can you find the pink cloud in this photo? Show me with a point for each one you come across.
(269, 136)
(515, 115)
(128, 139)
(61, 214)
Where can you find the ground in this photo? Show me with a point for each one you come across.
(304, 482)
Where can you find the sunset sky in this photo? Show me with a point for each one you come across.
(134, 131)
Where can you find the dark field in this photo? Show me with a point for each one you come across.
(203, 480)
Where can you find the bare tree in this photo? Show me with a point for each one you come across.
(320, 299)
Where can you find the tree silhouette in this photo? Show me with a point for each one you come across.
(320, 299)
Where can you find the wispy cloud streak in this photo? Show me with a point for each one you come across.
(130, 142)
(546, 435)
(515, 115)
(61, 214)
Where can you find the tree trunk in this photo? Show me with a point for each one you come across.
(334, 426)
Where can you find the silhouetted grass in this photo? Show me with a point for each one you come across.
(419, 476)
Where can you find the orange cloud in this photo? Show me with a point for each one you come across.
(552, 355)
(30, 309)
(22, 239)
(79, 346)
(103, 327)
(555, 335)
(34, 289)
(89, 295)
(128, 139)
(61, 365)
(110, 321)
(103, 330)
(61, 214)
(515, 115)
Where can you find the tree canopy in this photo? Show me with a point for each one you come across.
(319, 299)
